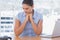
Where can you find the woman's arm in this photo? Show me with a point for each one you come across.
(36, 27)
(18, 29)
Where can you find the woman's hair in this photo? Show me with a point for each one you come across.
(28, 2)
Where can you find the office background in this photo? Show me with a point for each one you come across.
(10, 8)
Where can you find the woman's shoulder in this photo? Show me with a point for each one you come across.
(20, 13)
(38, 13)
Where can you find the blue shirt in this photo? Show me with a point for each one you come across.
(28, 30)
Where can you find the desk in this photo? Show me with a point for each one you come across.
(35, 38)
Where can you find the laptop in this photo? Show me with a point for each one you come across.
(56, 31)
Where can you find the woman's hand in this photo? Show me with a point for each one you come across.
(27, 16)
(30, 17)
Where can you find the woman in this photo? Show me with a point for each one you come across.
(29, 22)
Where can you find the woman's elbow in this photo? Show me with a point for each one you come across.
(39, 32)
(16, 33)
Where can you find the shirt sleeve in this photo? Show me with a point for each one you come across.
(40, 17)
(18, 16)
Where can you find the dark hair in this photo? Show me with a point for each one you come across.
(28, 2)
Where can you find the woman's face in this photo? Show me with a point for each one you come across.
(27, 9)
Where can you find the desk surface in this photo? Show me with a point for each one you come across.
(35, 38)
